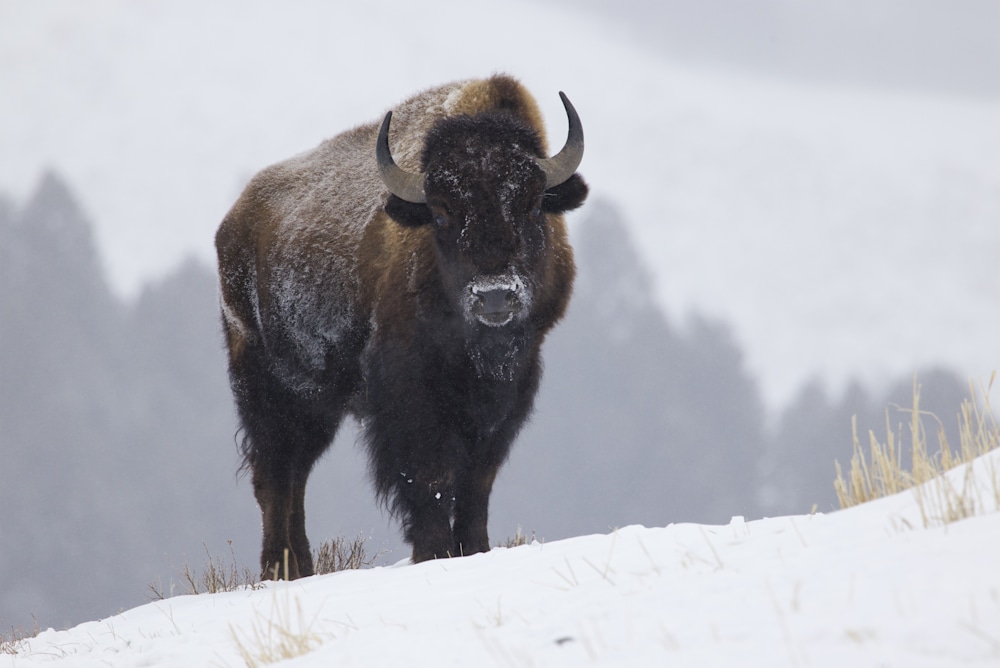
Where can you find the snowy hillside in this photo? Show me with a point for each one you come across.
(871, 585)
(842, 232)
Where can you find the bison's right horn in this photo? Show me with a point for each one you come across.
(563, 165)
(404, 185)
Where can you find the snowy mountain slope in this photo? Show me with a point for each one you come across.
(864, 586)
(841, 232)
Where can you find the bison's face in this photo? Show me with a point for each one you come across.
(487, 196)
(485, 206)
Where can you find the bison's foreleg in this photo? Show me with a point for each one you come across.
(472, 510)
(425, 496)
(416, 477)
(485, 458)
(428, 529)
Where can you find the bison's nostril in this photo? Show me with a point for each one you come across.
(495, 301)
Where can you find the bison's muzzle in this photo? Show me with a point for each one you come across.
(496, 301)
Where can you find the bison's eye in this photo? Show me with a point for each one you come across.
(441, 215)
(536, 211)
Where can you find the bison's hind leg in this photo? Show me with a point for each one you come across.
(285, 433)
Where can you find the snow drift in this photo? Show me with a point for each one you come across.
(870, 585)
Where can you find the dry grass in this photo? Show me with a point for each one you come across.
(286, 633)
(12, 642)
(278, 637)
(518, 539)
(216, 575)
(940, 498)
(341, 554)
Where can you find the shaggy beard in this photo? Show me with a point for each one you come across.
(496, 358)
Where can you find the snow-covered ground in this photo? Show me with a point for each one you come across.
(866, 586)
(841, 232)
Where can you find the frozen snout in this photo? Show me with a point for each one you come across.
(495, 301)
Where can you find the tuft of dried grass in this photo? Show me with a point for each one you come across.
(517, 540)
(13, 641)
(215, 576)
(341, 554)
(941, 500)
(278, 637)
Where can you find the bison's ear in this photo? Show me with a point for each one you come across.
(566, 196)
(406, 213)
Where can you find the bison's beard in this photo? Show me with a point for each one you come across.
(497, 355)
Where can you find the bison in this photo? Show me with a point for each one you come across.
(405, 274)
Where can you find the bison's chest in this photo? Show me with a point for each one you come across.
(486, 401)
(468, 386)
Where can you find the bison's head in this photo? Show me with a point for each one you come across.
(486, 192)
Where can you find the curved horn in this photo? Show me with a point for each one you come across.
(404, 185)
(561, 166)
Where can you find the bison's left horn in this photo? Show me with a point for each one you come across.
(404, 185)
(563, 165)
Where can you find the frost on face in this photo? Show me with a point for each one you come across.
(510, 282)
(493, 176)
(510, 286)
(510, 194)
